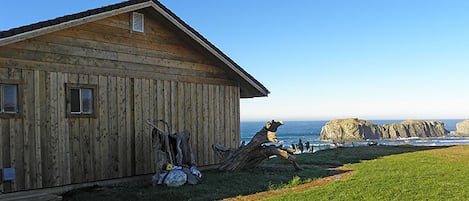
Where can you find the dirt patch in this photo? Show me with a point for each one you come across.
(339, 173)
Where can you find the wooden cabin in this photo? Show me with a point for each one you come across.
(76, 93)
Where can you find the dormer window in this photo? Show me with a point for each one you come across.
(137, 22)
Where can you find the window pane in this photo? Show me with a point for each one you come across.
(10, 98)
(75, 100)
(87, 100)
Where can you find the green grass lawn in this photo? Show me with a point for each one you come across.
(439, 174)
(382, 173)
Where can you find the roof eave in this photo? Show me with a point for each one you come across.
(71, 23)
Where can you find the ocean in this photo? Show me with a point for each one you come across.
(309, 131)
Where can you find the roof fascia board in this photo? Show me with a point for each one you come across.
(207, 46)
(71, 23)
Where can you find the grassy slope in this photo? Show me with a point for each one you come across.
(381, 175)
(439, 174)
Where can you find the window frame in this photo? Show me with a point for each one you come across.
(19, 99)
(68, 101)
(134, 17)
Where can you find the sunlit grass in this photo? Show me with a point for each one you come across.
(439, 174)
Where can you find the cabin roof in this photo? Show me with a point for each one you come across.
(250, 87)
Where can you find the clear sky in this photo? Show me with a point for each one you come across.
(325, 59)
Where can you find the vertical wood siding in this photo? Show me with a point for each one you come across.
(49, 149)
(139, 76)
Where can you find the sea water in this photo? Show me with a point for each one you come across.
(309, 131)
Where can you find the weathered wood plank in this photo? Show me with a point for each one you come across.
(14, 151)
(104, 127)
(174, 106)
(200, 125)
(226, 113)
(180, 107)
(130, 125)
(211, 122)
(166, 102)
(16, 140)
(205, 123)
(236, 116)
(146, 140)
(64, 131)
(113, 127)
(222, 126)
(159, 100)
(5, 131)
(187, 109)
(159, 109)
(38, 80)
(54, 135)
(95, 137)
(152, 117)
(232, 121)
(28, 128)
(44, 83)
(193, 120)
(139, 169)
(121, 129)
(218, 120)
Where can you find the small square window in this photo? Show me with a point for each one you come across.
(9, 99)
(138, 23)
(81, 100)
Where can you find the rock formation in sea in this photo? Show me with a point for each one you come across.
(462, 128)
(343, 130)
(350, 130)
(414, 128)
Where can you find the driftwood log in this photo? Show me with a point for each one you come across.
(173, 148)
(252, 154)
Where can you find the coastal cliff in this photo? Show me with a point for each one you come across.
(357, 129)
(462, 128)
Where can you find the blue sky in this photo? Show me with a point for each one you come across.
(325, 59)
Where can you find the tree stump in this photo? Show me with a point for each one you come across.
(252, 154)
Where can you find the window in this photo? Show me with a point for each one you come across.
(81, 100)
(137, 22)
(8, 99)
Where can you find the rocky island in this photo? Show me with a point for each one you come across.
(353, 129)
(462, 128)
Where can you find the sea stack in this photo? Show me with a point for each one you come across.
(414, 128)
(462, 128)
(353, 129)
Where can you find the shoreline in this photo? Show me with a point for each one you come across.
(413, 141)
